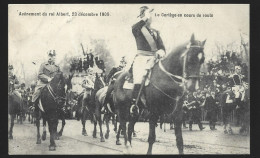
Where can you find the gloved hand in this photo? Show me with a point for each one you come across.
(160, 53)
(147, 15)
(49, 79)
(32, 107)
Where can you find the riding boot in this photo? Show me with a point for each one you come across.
(135, 93)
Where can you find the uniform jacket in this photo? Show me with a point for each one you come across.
(12, 80)
(88, 82)
(47, 71)
(139, 31)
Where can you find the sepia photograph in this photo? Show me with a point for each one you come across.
(128, 79)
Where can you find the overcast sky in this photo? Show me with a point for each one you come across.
(31, 37)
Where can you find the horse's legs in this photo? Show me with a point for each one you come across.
(106, 116)
(44, 128)
(38, 117)
(100, 122)
(62, 126)
(131, 125)
(83, 121)
(115, 124)
(178, 134)
(151, 139)
(118, 135)
(95, 127)
(11, 127)
(51, 125)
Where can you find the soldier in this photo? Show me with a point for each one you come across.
(212, 110)
(149, 47)
(46, 73)
(12, 81)
(194, 110)
(88, 85)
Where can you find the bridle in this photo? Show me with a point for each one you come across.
(53, 94)
(174, 78)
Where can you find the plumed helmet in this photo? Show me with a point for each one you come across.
(51, 53)
(142, 10)
(10, 67)
(90, 71)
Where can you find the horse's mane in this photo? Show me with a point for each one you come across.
(178, 49)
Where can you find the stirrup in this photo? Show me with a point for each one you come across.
(131, 109)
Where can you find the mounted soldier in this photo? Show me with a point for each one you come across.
(149, 48)
(46, 73)
(110, 80)
(12, 81)
(88, 85)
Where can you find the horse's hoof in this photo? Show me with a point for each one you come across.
(134, 135)
(52, 148)
(84, 133)
(106, 135)
(38, 141)
(44, 136)
(118, 142)
(225, 131)
(94, 136)
(57, 138)
(60, 134)
(102, 139)
(10, 137)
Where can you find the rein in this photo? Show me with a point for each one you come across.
(174, 77)
(53, 94)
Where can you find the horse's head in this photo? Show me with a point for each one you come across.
(58, 84)
(98, 82)
(184, 62)
(193, 58)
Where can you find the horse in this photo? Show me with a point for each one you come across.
(52, 100)
(14, 108)
(169, 80)
(90, 109)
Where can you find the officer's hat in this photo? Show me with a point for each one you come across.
(142, 10)
(51, 53)
(237, 67)
(10, 67)
(90, 71)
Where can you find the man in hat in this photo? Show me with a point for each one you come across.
(149, 47)
(46, 73)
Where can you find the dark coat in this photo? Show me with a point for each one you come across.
(212, 108)
(140, 39)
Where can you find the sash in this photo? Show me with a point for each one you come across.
(149, 38)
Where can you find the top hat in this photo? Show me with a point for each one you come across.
(142, 10)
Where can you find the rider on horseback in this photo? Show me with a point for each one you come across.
(149, 47)
(46, 73)
(88, 85)
(13, 82)
(110, 78)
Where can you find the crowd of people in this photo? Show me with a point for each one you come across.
(88, 61)
(223, 91)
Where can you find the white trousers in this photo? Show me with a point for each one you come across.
(140, 67)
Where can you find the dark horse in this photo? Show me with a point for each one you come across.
(170, 78)
(14, 108)
(52, 99)
(90, 109)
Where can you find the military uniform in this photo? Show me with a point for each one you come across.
(148, 42)
(46, 72)
(194, 112)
